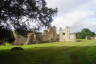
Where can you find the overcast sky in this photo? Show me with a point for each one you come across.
(77, 14)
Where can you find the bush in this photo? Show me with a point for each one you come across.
(17, 49)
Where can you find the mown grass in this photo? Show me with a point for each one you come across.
(51, 53)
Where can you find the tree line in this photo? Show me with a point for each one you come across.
(85, 33)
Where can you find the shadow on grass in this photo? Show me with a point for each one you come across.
(50, 55)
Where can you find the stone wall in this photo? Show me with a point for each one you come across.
(65, 35)
(48, 35)
(19, 39)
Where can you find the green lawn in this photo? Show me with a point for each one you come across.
(51, 53)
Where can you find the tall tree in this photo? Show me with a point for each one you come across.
(14, 11)
(21, 14)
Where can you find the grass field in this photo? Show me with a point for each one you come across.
(51, 53)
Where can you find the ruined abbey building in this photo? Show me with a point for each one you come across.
(49, 35)
(66, 35)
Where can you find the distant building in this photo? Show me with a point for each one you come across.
(66, 35)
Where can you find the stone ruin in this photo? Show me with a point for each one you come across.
(49, 35)
(66, 35)
(90, 38)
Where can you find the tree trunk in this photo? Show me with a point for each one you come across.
(15, 36)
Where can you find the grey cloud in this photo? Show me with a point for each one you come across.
(65, 5)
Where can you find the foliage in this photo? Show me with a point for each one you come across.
(6, 35)
(84, 33)
(13, 12)
(17, 49)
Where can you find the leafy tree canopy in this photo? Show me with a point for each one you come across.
(20, 14)
(84, 33)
